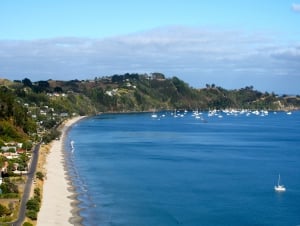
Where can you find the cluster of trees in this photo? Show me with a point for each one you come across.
(20, 100)
(51, 135)
(33, 205)
(9, 189)
(158, 92)
(131, 92)
(121, 78)
(14, 121)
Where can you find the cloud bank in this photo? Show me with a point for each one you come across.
(296, 7)
(196, 55)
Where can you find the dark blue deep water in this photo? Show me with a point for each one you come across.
(136, 170)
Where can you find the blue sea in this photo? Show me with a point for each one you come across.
(179, 169)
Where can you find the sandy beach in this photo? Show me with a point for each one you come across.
(57, 207)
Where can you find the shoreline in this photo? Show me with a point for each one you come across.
(204, 110)
(59, 201)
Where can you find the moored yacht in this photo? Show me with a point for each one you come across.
(279, 187)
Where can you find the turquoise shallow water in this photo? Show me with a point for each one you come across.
(135, 170)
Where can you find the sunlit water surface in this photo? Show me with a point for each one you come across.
(138, 170)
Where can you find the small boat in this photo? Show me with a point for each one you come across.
(279, 187)
(154, 115)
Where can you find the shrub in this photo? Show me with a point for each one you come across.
(27, 224)
(33, 204)
(4, 211)
(37, 192)
(31, 214)
(9, 196)
(51, 135)
(39, 175)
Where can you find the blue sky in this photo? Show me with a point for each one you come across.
(229, 43)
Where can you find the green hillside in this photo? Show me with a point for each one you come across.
(30, 107)
(142, 92)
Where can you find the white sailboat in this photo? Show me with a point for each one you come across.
(154, 115)
(279, 187)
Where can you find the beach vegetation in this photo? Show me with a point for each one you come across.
(33, 204)
(32, 214)
(51, 135)
(37, 194)
(39, 175)
(27, 224)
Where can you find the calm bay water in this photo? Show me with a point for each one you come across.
(135, 170)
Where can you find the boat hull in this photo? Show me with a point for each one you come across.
(279, 188)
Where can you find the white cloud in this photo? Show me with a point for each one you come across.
(194, 54)
(296, 7)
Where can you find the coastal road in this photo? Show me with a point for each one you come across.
(28, 184)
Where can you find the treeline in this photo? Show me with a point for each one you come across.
(23, 99)
(14, 121)
(142, 92)
(28, 110)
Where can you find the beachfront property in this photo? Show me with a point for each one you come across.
(10, 151)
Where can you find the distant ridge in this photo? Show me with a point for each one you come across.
(144, 92)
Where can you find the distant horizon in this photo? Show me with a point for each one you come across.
(230, 43)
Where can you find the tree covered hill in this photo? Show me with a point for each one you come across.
(14, 121)
(143, 92)
(25, 105)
